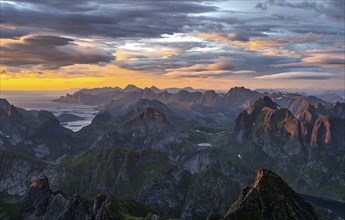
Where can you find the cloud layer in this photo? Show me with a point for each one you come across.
(231, 40)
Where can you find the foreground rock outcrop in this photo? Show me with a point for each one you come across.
(40, 202)
(270, 198)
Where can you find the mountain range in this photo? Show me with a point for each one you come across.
(154, 153)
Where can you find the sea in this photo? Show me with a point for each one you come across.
(42, 100)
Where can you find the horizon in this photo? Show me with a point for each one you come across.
(204, 44)
(69, 90)
(21, 99)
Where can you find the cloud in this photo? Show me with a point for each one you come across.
(330, 8)
(334, 59)
(207, 74)
(221, 68)
(49, 52)
(299, 76)
(144, 19)
(221, 64)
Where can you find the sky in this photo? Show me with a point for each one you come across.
(64, 44)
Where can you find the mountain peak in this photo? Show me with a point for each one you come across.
(238, 90)
(263, 176)
(209, 98)
(262, 103)
(155, 89)
(270, 198)
(152, 125)
(40, 183)
(131, 88)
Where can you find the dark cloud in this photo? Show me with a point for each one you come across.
(112, 19)
(49, 52)
(331, 8)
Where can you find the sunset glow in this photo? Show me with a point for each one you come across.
(182, 47)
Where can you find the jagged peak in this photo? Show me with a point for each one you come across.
(262, 103)
(307, 112)
(238, 90)
(41, 182)
(155, 89)
(270, 198)
(263, 175)
(131, 88)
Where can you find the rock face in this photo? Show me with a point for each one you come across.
(42, 203)
(307, 113)
(36, 133)
(154, 128)
(36, 198)
(329, 132)
(336, 110)
(15, 170)
(273, 129)
(270, 198)
(76, 208)
(209, 98)
(12, 123)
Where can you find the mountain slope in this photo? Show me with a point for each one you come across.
(36, 133)
(154, 128)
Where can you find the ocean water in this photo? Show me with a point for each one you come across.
(41, 100)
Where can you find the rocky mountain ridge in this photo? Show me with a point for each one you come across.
(180, 165)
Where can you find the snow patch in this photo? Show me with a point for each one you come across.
(204, 145)
(4, 135)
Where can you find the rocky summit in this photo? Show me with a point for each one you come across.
(270, 198)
